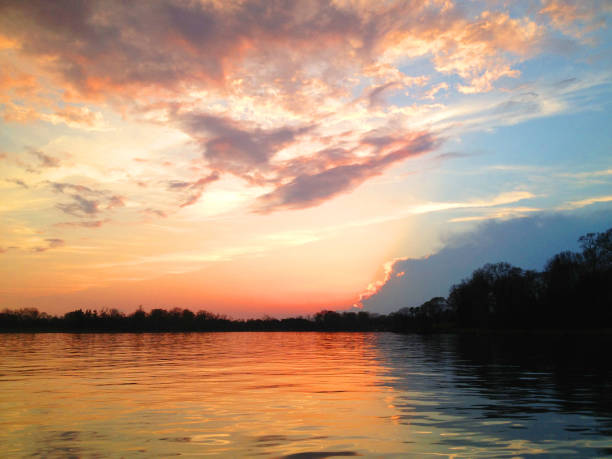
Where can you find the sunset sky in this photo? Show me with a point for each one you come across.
(281, 157)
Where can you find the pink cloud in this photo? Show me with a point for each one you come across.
(99, 48)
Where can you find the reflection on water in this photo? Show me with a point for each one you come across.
(302, 395)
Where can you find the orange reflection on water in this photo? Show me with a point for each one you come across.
(244, 393)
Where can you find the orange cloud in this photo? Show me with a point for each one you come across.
(576, 17)
(374, 287)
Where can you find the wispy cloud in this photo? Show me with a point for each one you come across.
(577, 18)
(585, 202)
(46, 160)
(83, 224)
(501, 199)
(51, 243)
(498, 214)
(19, 182)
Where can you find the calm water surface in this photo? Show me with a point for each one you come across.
(302, 395)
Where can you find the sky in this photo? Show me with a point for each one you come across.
(283, 157)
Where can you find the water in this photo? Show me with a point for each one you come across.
(302, 395)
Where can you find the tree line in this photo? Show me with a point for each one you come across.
(574, 291)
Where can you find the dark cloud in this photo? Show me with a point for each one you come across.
(80, 206)
(236, 148)
(63, 187)
(526, 242)
(178, 185)
(86, 201)
(309, 189)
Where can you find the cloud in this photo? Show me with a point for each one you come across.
(197, 188)
(83, 224)
(41, 161)
(375, 95)
(76, 117)
(250, 152)
(86, 201)
(587, 174)
(433, 91)
(19, 182)
(498, 214)
(309, 189)
(101, 47)
(526, 242)
(278, 79)
(577, 17)
(451, 155)
(52, 243)
(115, 201)
(585, 202)
(373, 288)
(45, 160)
(229, 146)
(62, 187)
(80, 206)
(72, 116)
(156, 212)
(192, 191)
(501, 199)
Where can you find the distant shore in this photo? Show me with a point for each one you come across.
(185, 321)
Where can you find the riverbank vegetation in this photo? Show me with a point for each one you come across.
(573, 292)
